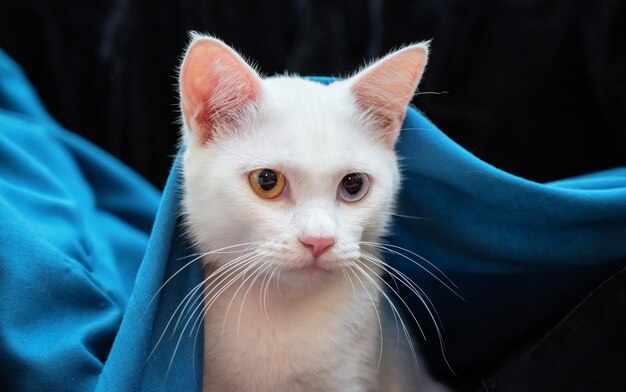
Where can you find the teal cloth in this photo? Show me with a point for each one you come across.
(81, 263)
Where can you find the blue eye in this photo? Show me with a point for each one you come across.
(353, 187)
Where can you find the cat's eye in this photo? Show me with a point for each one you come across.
(267, 183)
(353, 187)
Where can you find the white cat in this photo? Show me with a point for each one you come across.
(286, 184)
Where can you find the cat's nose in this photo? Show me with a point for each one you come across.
(317, 244)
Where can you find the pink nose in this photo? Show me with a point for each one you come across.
(317, 244)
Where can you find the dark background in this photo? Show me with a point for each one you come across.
(534, 87)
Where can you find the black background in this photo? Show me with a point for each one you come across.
(535, 87)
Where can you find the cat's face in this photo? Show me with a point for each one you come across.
(287, 174)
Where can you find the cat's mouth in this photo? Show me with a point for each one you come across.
(312, 269)
(309, 269)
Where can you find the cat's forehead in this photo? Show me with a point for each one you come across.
(308, 124)
(292, 99)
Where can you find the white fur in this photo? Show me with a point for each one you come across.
(321, 331)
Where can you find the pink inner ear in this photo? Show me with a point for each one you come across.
(384, 90)
(217, 88)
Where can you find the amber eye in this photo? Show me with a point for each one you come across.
(267, 183)
(354, 186)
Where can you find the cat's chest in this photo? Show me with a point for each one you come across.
(285, 348)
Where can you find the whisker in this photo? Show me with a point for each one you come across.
(186, 300)
(258, 263)
(432, 92)
(410, 284)
(172, 317)
(420, 294)
(399, 297)
(406, 281)
(199, 256)
(390, 249)
(394, 310)
(232, 271)
(380, 324)
(260, 271)
(278, 283)
(412, 217)
(264, 296)
(345, 273)
(168, 280)
(200, 317)
(415, 129)
(207, 302)
(214, 276)
(393, 101)
(220, 251)
(261, 293)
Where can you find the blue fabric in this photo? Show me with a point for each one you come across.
(82, 266)
(74, 224)
(521, 253)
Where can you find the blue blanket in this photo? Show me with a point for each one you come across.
(86, 297)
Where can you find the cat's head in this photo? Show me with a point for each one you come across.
(287, 173)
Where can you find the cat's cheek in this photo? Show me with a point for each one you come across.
(368, 220)
(264, 220)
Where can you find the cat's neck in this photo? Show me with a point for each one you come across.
(306, 327)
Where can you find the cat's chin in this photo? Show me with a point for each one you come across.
(308, 274)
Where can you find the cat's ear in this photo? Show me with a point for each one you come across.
(218, 89)
(384, 89)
